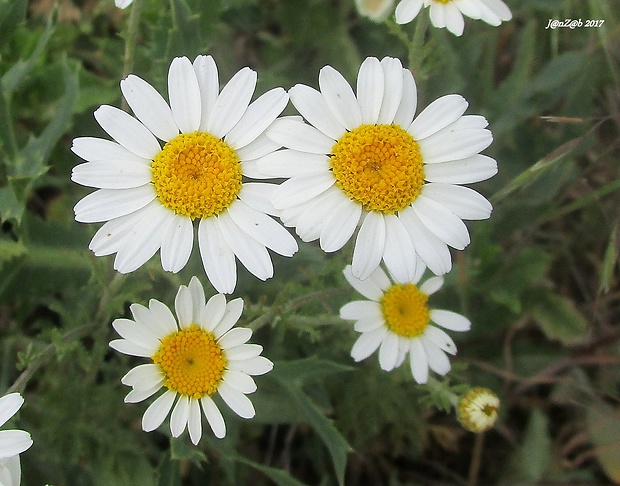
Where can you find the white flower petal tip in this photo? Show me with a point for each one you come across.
(149, 195)
(396, 320)
(450, 14)
(377, 11)
(12, 442)
(405, 201)
(192, 357)
(123, 3)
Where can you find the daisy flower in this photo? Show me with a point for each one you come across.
(375, 10)
(365, 159)
(192, 358)
(151, 195)
(398, 321)
(123, 3)
(12, 442)
(449, 13)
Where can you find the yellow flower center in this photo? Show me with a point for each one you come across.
(404, 309)
(378, 166)
(191, 361)
(196, 175)
(442, 1)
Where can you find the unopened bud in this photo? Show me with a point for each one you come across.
(477, 410)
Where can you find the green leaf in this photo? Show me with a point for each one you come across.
(302, 370)
(10, 206)
(278, 476)
(531, 460)
(12, 13)
(609, 260)
(603, 423)
(558, 318)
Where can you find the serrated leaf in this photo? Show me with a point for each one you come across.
(603, 423)
(10, 206)
(558, 318)
(302, 370)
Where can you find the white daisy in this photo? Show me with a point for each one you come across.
(192, 359)
(478, 409)
(123, 3)
(397, 321)
(12, 442)
(449, 13)
(150, 195)
(365, 159)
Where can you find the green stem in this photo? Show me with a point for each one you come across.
(416, 55)
(439, 388)
(130, 40)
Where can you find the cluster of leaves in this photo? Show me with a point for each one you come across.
(539, 281)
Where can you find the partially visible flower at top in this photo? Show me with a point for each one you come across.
(192, 358)
(375, 10)
(398, 321)
(477, 410)
(12, 442)
(364, 159)
(449, 13)
(150, 196)
(123, 3)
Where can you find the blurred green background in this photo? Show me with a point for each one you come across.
(539, 281)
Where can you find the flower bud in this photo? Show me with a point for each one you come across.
(477, 410)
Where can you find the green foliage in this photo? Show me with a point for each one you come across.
(539, 280)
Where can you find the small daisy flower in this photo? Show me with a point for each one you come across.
(449, 13)
(375, 10)
(477, 410)
(12, 442)
(192, 358)
(150, 195)
(398, 321)
(365, 159)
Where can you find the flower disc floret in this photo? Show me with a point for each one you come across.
(191, 361)
(379, 166)
(197, 175)
(405, 310)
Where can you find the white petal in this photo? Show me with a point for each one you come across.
(112, 174)
(237, 401)
(157, 411)
(106, 204)
(127, 131)
(184, 94)
(198, 299)
(361, 309)
(370, 89)
(232, 102)
(240, 381)
(162, 319)
(432, 285)
(465, 171)
(183, 306)
(149, 107)
(469, 8)
(259, 115)
(214, 416)
(136, 333)
(311, 105)
(438, 14)
(208, 81)
(297, 135)
(408, 102)
(245, 351)
(462, 201)
(433, 252)
(369, 245)
(211, 314)
(258, 196)
(10, 470)
(131, 349)
(418, 361)
(441, 339)
(460, 144)
(143, 376)
(177, 243)
(407, 10)
(393, 71)
(291, 163)
(310, 223)
(217, 257)
(368, 324)
(259, 365)
(448, 227)
(231, 315)
(450, 320)
(437, 359)
(235, 337)
(454, 23)
(9, 405)
(258, 148)
(13, 442)
(299, 190)
(399, 255)
(263, 229)
(194, 422)
(368, 343)
(252, 254)
(439, 114)
(180, 416)
(388, 352)
(96, 149)
(340, 98)
(368, 288)
(340, 224)
(493, 12)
